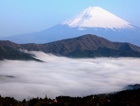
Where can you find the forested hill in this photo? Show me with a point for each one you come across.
(10, 50)
(83, 46)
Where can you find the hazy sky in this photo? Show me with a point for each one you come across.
(24, 16)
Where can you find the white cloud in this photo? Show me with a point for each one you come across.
(64, 76)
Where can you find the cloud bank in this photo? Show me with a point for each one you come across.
(65, 76)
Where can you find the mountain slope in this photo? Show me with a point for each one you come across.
(10, 50)
(93, 20)
(86, 46)
(96, 17)
(82, 46)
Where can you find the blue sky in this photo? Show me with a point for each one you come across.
(25, 16)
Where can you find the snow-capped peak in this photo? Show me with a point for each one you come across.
(96, 17)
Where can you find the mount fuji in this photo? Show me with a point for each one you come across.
(93, 20)
(96, 17)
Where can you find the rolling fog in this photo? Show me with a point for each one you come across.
(64, 76)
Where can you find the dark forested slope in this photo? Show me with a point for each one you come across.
(83, 46)
(122, 98)
(87, 46)
(10, 50)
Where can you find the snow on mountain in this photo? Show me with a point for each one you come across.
(93, 20)
(96, 17)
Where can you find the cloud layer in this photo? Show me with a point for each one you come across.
(64, 76)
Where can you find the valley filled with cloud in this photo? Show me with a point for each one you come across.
(66, 76)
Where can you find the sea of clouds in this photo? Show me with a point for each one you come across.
(66, 76)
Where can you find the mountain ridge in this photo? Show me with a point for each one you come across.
(125, 33)
(83, 46)
(96, 17)
(12, 51)
(89, 43)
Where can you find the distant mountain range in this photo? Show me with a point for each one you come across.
(79, 47)
(93, 20)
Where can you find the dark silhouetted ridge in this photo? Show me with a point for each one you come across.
(83, 46)
(10, 50)
(87, 46)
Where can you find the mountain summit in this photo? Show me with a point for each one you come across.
(96, 17)
(93, 20)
